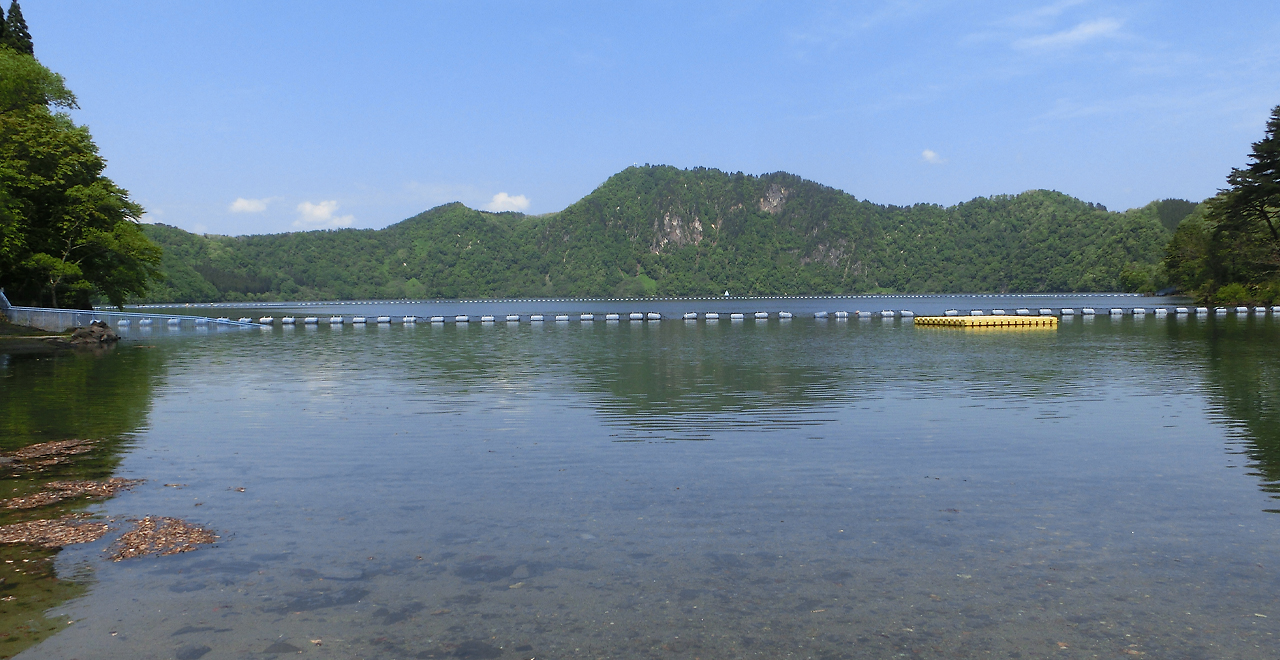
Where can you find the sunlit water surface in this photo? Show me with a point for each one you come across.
(805, 488)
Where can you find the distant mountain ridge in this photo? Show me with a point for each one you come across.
(659, 230)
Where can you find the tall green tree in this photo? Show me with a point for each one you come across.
(67, 233)
(16, 35)
(1246, 216)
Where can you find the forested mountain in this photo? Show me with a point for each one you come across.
(658, 230)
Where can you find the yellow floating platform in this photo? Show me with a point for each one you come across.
(989, 321)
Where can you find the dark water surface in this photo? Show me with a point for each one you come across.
(805, 488)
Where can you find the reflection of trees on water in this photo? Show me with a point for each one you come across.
(46, 397)
(1244, 379)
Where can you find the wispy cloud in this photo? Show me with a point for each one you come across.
(1082, 33)
(930, 156)
(504, 202)
(244, 205)
(321, 216)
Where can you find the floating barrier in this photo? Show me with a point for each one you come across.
(287, 320)
(951, 312)
(907, 314)
(486, 319)
(310, 320)
(145, 322)
(1022, 311)
(762, 315)
(1139, 311)
(245, 319)
(409, 319)
(1259, 310)
(462, 318)
(635, 316)
(437, 319)
(1045, 311)
(842, 315)
(1242, 310)
(611, 317)
(784, 315)
(1202, 311)
(1088, 311)
(1220, 310)
(711, 316)
(1116, 311)
(819, 315)
(1067, 311)
(384, 319)
(862, 315)
(266, 320)
(1275, 309)
(335, 320)
(1160, 311)
(587, 317)
(735, 316)
(977, 312)
(123, 322)
(358, 319)
(654, 316)
(513, 318)
(223, 319)
(535, 318)
(988, 321)
(175, 322)
(997, 312)
(562, 318)
(886, 314)
(1181, 310)
(690, 316)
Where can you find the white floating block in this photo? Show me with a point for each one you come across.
(784, 315)
(535, 318)
(653, 316)
(997, 312)
(384, 319)
(819, 315)
(1088, 311)
(1181, 310)
(266, 320)
(310, 320)
(409, 319)
(513, 318)
(1160, 311)
(907, 314)
(762, 315)
(1242, 310)
(977, 312)
(244, 319)
(335, 320)
(122, 322)
(1067, 311)
(587, 317)
(1022, 311)
(1275, 309)
(1219, 310)
(845, 315)
(888, 314)
(562, 318)
(635, 316)
(690, 316)
(437, 319)
(1045, 311)
(611, 317)
(486, 319)
(1139, 311)
(1202, 310)
(1116, 311)
(735, 316)
(462, 318)
(1259, 310)
(711, 316)
(175, 321)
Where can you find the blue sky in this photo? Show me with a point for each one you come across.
(250, 117)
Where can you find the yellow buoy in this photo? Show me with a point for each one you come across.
(988, 321)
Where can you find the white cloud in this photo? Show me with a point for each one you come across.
(1087, 31)
(930, 156)
(504, 202)
(242, 205)
(321, 216)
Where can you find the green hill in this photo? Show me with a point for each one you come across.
(659, 230)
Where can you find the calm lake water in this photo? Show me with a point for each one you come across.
(803, 488)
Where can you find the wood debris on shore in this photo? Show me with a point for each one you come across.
(58, 491)
(69, 529)
(157, 535)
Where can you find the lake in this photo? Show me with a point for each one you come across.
(807, 488)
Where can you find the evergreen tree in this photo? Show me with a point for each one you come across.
(1246, 216)
(16, 35)
(3, 29)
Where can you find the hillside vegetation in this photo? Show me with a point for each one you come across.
(658, 230)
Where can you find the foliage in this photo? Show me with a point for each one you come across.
(658, 230)
(1238, 241)
(67, 233)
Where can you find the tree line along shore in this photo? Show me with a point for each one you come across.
(70, 237)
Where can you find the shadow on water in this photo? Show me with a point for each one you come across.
(103, 397)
